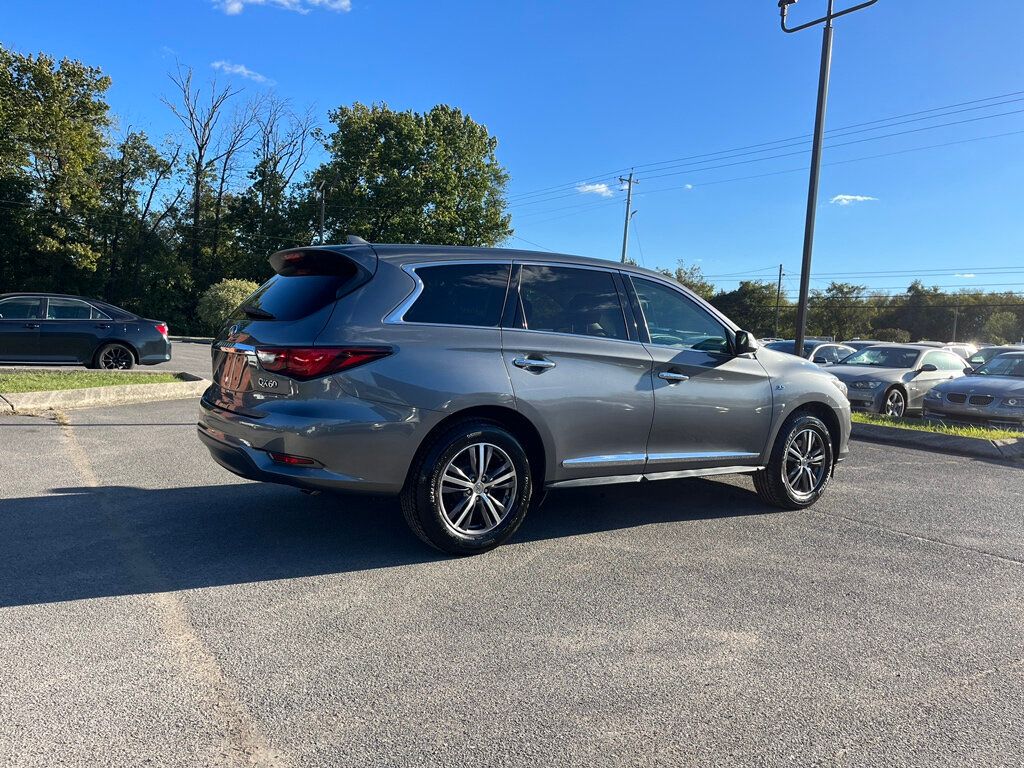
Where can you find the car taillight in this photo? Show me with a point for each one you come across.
(161, 328)
(287, 458)
(311, 362)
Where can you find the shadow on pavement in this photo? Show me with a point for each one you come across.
(116, 540)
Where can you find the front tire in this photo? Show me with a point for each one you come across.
(800, 467)
(469, 489)
(894, 404)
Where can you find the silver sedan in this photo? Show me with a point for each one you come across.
(893, 379)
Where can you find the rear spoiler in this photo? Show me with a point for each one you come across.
(356, 260)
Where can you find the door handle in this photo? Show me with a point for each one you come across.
(528, 363)
(31, 325)
(675, 378)
(102, 325)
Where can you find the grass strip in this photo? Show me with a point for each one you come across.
(957, 430)
(45, 381)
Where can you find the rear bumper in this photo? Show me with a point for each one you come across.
(153, 352)
(358, 445)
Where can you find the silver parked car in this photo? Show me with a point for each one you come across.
(893, 379)
(993, 394)
(467, 380)
(817, 351)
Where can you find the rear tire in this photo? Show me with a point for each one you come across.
(469, 489)
(800, 467)
(114, 357)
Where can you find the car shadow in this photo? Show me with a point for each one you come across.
(90, 542)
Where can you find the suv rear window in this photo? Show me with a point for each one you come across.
(295, 297)
(460, 294)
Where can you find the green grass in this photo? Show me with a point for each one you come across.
(43, 381)
(958, 430)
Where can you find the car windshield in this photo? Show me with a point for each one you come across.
(883, 357)
(1004, 365)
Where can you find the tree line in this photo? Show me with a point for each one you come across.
(847, 310)
(89, 206)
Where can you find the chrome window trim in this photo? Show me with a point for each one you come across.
(397, 315)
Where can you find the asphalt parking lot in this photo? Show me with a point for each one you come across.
(156, 610)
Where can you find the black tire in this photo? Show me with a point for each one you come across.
(424, 503)
(890, 392)
(114, 357)
(772, 484)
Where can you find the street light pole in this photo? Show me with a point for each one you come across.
(819, 135)
(629, 182)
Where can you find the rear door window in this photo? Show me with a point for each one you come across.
(20, 308)
(460, 294)
(583, 302)
(68, 309)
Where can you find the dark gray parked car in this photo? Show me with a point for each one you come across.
(893, 379)
(466, 380)
(55, 328)
(993, 394)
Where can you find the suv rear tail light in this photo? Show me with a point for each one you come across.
(161, 328)
(311, 362)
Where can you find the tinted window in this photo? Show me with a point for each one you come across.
(21, 308)
(462, 294)
(68, 309)
(569, 300)
(884, 357)
(675, 321)
(291, 298)
(1003, 365)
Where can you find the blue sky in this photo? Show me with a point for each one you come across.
(576, 91)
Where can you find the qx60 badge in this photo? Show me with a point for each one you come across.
(267, 383)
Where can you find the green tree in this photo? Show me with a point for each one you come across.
(751, 305)
(1002, 327)
(53, 119)
(220, 299)
(840, 311)
(897, 335)
(407, 177)
(693, 278)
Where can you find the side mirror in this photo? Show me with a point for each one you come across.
(744, 343)
(819, 360)
(927, 368)
(968, 371)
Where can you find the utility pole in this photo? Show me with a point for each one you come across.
(323, 195)
(819, 134)
(778, 301)
(629, 182)
(956, 318)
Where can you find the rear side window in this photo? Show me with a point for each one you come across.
(293, 297)
(460, 294)
(68, 309)
(20, 308)
(570, 300)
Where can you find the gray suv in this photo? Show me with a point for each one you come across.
(467, 381)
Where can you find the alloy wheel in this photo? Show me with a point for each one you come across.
(477, 489)
(805, 469)
(895, 404)
(116, 358)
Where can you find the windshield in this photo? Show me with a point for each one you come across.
(1004, 365)
(883, 357)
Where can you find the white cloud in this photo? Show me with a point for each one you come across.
(687, 186)
(965, 274)
(235, 7)
(242, 71)
(601, 189)
(851, 199)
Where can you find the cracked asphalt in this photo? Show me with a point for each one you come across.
(155, 610)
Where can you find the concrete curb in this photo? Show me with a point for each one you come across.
(90, 397)
(998, 450)
(192, 339)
